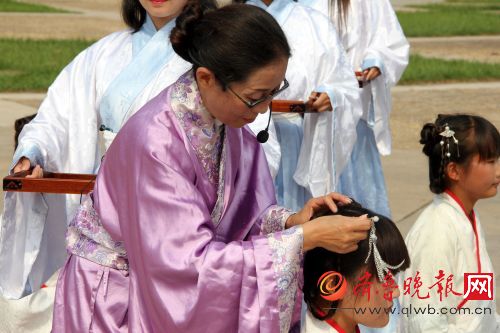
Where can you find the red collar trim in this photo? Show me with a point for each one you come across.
(336, 326)
(472, 220)
(472, 217)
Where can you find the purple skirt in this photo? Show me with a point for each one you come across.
(90, 298)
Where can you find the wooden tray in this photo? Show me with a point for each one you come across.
(51, 182)
(289, 106)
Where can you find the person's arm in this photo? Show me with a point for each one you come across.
(183, 275)
(277, 218)
(388, 50)
(44, 141)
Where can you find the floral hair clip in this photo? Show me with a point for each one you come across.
(448, 133)
(381, 266)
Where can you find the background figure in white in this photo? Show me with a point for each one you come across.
(314, 149)
(86, 105)
(447, 240)
(375, 44)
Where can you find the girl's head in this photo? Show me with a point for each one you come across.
(161, 11)
(361, 278)
(239, 55)
(468, 159)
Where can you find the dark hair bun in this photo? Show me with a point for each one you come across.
(429, 137)
(185, 24)
(232, 41)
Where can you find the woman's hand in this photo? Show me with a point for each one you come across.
(315, 205)
(319, 102)
(336, 233)
(24, 164)
(371, 73)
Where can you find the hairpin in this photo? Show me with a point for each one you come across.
(448, 133)
(380, 265)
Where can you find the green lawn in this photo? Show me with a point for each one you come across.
(453, 18)
(427, 70)
(29, 65)
(32, 65)
(23, 7)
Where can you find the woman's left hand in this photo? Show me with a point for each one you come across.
(319, 102)
(371, 73)
(316, 205)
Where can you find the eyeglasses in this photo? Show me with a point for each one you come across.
(263, 99)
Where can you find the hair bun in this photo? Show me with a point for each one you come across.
(429, 137)
(185, 25)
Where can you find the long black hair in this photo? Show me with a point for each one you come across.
(133, 14)
(390, 244)
(475, 135)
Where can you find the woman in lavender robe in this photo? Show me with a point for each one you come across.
(182, 233)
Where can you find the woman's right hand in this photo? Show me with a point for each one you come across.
(336, 233)
(24, 164)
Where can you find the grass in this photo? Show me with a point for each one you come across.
(427, 70)
(32, 65)
(473, 1)
(24, 7)
(453, 18)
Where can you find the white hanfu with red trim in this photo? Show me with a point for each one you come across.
(445, 238)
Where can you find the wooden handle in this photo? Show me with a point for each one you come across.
(358, 76)
(288, 106)
(51, 182)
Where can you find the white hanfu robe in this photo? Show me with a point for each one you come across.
(443, 238)
(65, 137)
(371, 36)
(318, 63)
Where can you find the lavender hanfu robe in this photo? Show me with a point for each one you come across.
(183, 234)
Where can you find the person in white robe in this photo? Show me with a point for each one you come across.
(376, 46)
(315, 148)
(447, 246)
(442, 239)
(85, 107)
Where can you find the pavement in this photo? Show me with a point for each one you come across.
(405, 169)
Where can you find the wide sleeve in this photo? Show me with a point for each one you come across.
(183, 279)
(274, 219)
(70, 99)
(388, 50)
(434, 249)
(329, 136)
(66, 111)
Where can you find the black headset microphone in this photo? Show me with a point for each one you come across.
(263, 135)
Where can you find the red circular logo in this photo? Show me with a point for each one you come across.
(332, 286)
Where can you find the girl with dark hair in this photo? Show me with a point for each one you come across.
(187, 237)
(447, 239)
(344, 290)
(378, 51)
(316, 147)
(84, 109)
